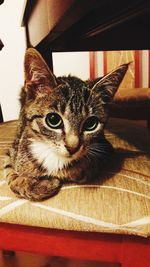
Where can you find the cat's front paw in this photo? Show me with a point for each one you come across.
(35, 189)
(40, 189)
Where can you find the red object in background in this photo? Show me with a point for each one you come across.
(105, 62)
(92, 65)
(130, 251)
(136, 60)
(137, 68)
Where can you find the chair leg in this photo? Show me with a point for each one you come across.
(148, 124)
(1, 115)
(135, 252)
(8, 253)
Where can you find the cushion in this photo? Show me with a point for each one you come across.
(118, 203)
(131, 103)
(137, 95)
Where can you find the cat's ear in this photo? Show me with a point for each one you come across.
(108, 85)
(36, 69)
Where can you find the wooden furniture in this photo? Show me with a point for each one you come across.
(1, 115)
(125, 251)
(133, 104)
(94, 222)
(80, 25)
(1, 45)
(88, 26)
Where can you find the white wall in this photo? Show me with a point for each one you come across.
(74, 63)
(11, 57)
(99, 64)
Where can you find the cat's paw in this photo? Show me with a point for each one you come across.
(40, 189)
(35, 189)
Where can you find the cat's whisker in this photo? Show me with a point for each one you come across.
(95, 154)
(100, 151)
(88, 158)
(100, 144)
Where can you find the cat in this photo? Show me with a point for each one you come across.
(60, 135)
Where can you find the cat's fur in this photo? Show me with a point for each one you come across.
(42, 158)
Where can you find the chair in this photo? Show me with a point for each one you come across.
(107, 222)
(133, 104)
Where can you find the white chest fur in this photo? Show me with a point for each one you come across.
(49, 159)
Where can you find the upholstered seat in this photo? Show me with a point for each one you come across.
(118, 203)
(132, 103)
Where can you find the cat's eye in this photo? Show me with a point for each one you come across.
(91, 123)
(54, 121)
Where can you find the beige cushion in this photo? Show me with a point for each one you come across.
(120, 203)
(139, 96)
(131, 103)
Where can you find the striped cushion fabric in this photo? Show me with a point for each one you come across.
(119, 203)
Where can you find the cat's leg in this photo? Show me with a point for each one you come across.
(35, 189)
(32, 188)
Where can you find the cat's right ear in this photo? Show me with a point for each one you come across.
(36, 70)
(107, 86)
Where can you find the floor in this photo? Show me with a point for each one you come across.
(21, 259)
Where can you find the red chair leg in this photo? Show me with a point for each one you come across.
(8, 253)
(135, 253)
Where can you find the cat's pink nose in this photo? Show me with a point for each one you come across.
(72, 143)
(72, 149)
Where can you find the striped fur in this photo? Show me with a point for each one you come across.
(43, 158)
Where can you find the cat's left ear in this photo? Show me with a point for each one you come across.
(36, 69)
(108, 85)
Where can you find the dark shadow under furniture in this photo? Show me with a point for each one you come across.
(80, 25)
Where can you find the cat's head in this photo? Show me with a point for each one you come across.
(66, 114)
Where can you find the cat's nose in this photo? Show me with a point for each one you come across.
(72, 150)
(72, 144)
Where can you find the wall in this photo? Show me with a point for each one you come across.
(99, 64)
(11, 57)
(74, 63)
(138, 73)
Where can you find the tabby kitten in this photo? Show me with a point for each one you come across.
(60, 135)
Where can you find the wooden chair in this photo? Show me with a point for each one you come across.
(126, 251)
(132, 104)
(72, 30)
(108, 222)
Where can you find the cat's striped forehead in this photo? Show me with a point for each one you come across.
(73, 95)
(71, 98)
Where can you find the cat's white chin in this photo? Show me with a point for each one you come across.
(48, 158)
